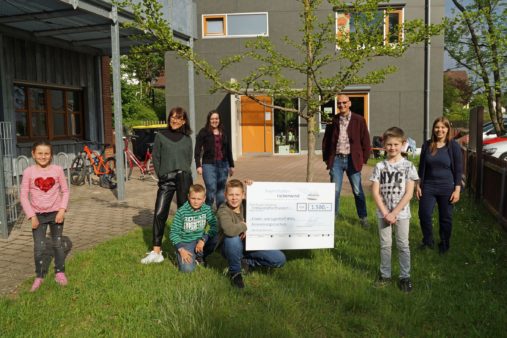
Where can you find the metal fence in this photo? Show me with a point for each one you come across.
(8, 190)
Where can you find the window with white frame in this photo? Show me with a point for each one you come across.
(235, 25)
(386, 21)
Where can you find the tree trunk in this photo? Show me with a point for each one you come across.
(496, 72)
(310, 116)
(311, 148)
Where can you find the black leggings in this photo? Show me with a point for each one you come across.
(168, 184)
(39, 247)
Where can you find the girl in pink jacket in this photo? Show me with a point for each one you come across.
(44, 197)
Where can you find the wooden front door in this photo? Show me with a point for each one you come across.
(256, 125)
(359, 104)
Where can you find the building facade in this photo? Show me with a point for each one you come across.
(223, 28)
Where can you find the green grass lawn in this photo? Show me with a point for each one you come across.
(319, 293)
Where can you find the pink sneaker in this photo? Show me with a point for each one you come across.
(61, 279)
(36, 284)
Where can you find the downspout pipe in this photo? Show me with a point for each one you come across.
(191, 99)
(427, 51)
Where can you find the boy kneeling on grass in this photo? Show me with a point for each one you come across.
(189, 235)
(393, 187)
(231, 217)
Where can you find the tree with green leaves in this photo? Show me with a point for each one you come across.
(144, 67)
(140, 101)
(136, 110)
(476, 39)
(324, 60)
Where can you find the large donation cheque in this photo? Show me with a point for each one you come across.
(289, 215)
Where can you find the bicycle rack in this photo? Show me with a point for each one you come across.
(20, 164)
(62, 159)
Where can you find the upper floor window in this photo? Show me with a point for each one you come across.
(49, 113)
(234, 25)
(393, 26)
(214, 25)
(386, 23)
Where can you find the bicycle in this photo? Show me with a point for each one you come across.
(145, 166)
(87, 160)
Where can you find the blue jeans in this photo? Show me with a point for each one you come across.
(436, 194)
(233, 249)
(215, 177)
(190, 246)
(344, 164)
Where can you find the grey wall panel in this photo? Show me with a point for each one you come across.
(45, 64)
(17, 49)
(384, 110)
(176, 77)
(205, 103)
(29, 66)
(75, 70)
(82, 70)
(7, 79)
(412, 117)
(59, 76)
(94, 122)
(66, 65)
(39, 61)
(95, 100)
(50, 65)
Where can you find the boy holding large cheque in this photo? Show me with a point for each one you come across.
(232, 233)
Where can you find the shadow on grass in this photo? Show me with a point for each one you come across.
(167, 246)
(144, 218)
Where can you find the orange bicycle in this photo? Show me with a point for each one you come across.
(89, 161)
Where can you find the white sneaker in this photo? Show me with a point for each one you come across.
(153, 257)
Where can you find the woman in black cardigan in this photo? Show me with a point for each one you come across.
(440, 170)
(213, 158)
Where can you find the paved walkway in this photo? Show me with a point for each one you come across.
(95, 216)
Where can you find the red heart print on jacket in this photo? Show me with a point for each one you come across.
(44, 184)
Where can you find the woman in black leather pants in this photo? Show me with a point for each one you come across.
(172, 157)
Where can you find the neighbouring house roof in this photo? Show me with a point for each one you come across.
(160, 82)
(457, 75)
